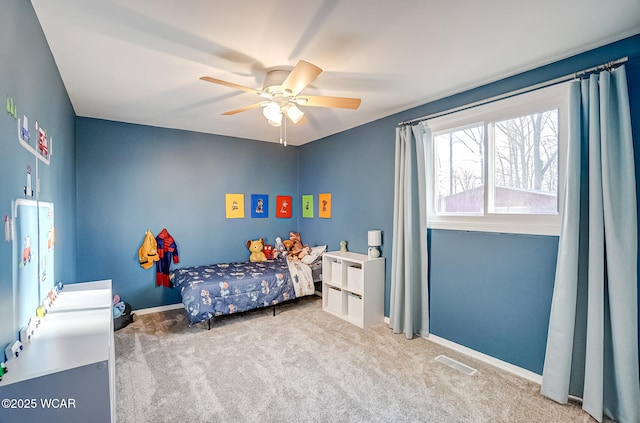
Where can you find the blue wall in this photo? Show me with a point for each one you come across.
(492, 292)
(132, 178)
(489, 292)
(357, 168)
(29, 75)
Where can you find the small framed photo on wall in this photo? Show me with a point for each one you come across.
(234, 206)
(284, 207)
(307, 206)
(324, 205)
(259, 206)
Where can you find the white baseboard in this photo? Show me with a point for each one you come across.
(158, 309)
(518, 371)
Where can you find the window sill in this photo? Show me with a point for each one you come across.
(544, 226)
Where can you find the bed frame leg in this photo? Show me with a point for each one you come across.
(274, 310)
(210, 323)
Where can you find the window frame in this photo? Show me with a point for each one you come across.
(556, 96)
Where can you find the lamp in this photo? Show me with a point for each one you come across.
(375, 241)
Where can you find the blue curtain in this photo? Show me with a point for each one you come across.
(409, 305)
(592, 345)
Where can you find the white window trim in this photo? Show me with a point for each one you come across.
(541, 99)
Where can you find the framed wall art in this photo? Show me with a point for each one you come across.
(259, 206)
(283, 206)
(307, 206)
(234, 206)
(324, 205)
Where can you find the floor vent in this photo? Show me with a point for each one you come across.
(456, 364)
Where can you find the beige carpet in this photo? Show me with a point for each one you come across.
(304, 365)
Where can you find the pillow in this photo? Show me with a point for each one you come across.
(314, 254)
(319, 249)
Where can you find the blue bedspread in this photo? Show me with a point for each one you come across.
(226, 288)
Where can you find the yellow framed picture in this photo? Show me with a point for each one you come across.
(234, 206)
(324, 205)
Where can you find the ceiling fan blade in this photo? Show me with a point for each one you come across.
(326, 101)
(301, 76)
(230, 84)
(243, 109)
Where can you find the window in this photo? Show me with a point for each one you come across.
(460, 171)
(497, 167)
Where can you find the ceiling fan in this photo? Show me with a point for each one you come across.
(281, 93)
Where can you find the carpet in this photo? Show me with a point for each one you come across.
(304, 365)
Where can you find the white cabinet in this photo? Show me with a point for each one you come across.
(353, 287)
(66, 371)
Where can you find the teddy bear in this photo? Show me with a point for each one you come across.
(256, 247)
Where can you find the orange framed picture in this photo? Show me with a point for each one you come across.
(324, 205)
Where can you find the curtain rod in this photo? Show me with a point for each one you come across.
(576, 75)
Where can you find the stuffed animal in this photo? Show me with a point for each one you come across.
(288, 245)
(268, 251)
(298, 250)
(256, 248)
(278, 248)
(297, 242)
(279, 245)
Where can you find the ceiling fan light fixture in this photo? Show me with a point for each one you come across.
(293, 112)
(272, 111)
(279, 95)
(275, 123)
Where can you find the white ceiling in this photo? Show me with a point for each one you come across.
(139, 61)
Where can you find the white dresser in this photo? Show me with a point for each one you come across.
(66, 372)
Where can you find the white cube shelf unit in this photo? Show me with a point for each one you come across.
(353, 287)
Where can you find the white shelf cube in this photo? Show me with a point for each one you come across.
(359, 279)
(334, 300)
(354, 305)
(355, 279)
(336, 273)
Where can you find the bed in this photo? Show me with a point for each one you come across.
(225, 288)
